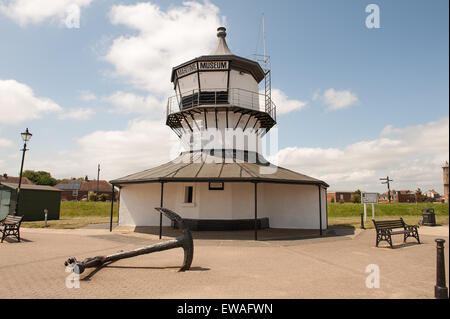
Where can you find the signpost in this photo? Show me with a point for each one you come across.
(369, 198)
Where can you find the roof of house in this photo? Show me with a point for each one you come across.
(220, 166)
(90, 185)
(14, 179)
(331, 192)
(31, 187)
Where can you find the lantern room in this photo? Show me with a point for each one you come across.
(218, 78)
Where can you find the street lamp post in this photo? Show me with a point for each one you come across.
(26, 136)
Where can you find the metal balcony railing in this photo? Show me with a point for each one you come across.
(222, 97)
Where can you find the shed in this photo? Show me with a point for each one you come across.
(33, 200)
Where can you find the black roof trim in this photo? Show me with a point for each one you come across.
(251, 66)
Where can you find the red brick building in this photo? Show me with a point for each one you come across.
(340, 195)
(403, 196)
(78, 190)
(14, 180)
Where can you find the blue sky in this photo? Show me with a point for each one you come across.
(397, 76)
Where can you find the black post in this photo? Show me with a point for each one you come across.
(387, 180)
(320, 209)
(112, 209)
(389, 189)
(98, 177)
(256, 211)
(362, 221)
(20, 177)
(160, 214)
(440, 290)
(326, 207)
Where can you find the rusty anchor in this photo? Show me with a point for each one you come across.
(185, 241)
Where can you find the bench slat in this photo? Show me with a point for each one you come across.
(12, 219)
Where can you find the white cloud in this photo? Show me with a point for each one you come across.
(87, 96)
(337, 100)
(77, 114)
(4, 142)
(413, 159)
(26, 12)
(164, 39)
(131, 103)
(142, 145)
(18, 103)
(283, 103)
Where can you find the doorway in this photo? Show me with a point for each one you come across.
(5, 203)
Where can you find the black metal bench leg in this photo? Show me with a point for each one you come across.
(390, 241)
(18, 234)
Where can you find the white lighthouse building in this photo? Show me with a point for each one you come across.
(221, 181)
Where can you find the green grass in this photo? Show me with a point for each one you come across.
(349, 214)
(79, 214)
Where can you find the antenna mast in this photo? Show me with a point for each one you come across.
(264, 41)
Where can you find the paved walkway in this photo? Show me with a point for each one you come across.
(327, 267)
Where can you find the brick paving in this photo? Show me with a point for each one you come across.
(327, 267)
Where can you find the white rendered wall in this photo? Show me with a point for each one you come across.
(293, 206)
(188, 84)
(247, 94)
(286, 205)
(214, 81)
(137, 203)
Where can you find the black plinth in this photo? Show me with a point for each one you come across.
(225, 224)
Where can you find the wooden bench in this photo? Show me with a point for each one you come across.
(384, 230)
(10, 226)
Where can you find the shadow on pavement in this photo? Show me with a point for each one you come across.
(268, 234)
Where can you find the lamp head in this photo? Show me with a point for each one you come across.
(26, 136)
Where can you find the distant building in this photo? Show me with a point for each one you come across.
(445, 173)
(33, 200)
(402, 196)
(5, 178)
(338, 196)
(77, 190)
(432, 194)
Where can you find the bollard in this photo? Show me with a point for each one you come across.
(362, 221)
(440, 290)
(45, 217)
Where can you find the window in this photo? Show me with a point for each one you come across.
(341, 196)
(188, 194)
(75, 192)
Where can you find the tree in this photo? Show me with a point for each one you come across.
(102, 197)
(419, 196)
(92, 197)
(356, 198)
(40, 177)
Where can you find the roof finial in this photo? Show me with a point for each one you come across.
(222, 47)
(221, 32)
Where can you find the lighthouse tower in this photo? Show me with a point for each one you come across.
(221, 180)
(217, 96)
